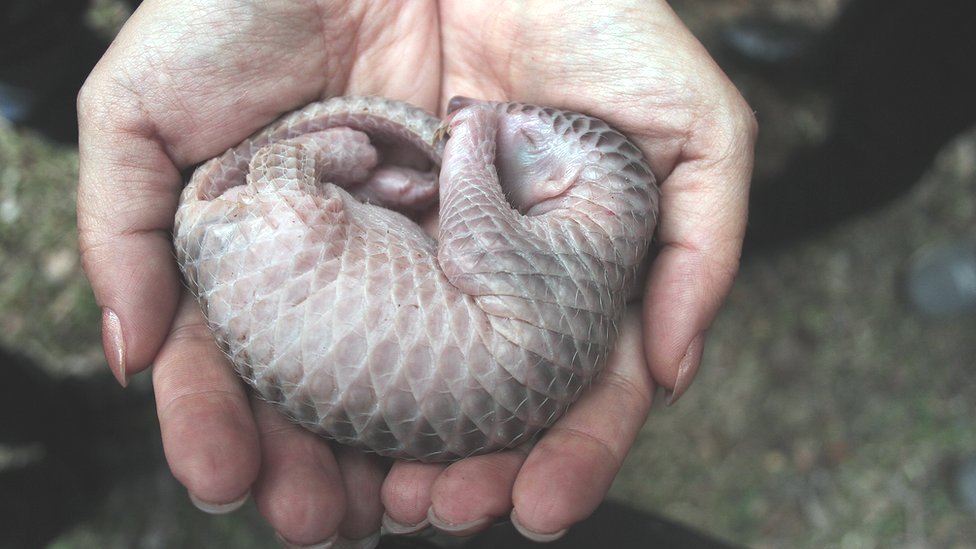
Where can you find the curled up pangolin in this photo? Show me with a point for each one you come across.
(304, 248)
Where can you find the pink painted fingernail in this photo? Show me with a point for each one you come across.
(219, 508)
(533, 535)
(114, 345)
(456, 528)
(327, 544)
(391, 526)
(687, 369)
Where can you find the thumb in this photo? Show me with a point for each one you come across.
(127, 195)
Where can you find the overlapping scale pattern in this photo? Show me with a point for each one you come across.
(362, 327)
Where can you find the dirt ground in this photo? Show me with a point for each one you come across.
(826, 414)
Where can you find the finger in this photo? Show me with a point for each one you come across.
(473, 492)
(208, 432)
(362, 477)
(124, 216)
(406, 495)
(300, 491)
(701, 228)
(568, 472)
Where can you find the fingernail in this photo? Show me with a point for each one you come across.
(456, 528)
(369, 542)
(687, 369)
(114, 345)
(219, 508)
(327, 544)
(533, 535)
(390, 526)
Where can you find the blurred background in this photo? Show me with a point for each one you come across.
(836, 403)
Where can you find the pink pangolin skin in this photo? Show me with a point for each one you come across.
(361, 326)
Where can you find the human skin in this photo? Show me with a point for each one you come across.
(185, 79)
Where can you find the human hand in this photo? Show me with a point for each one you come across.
(187, 79)
(183, 81)
(635, 65)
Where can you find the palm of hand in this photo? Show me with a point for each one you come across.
(232, 68)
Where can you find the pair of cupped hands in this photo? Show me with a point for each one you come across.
(186, 79)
